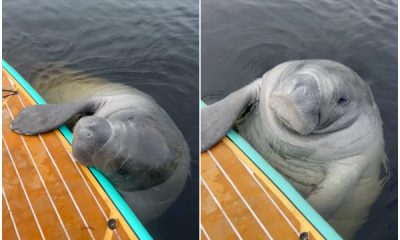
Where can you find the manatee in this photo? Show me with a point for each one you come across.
(317, 123)
(117, 129)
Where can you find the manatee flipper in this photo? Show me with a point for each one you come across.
(218, 118)
(330, 193)
(43, 118)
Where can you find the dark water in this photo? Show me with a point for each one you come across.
(243, 39)
(151, 45)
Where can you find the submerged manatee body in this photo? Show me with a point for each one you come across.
(317, 123)
(119, 130)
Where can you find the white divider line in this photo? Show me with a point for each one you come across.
(23, 188)
(80, 173)
(116, 233)
(220, 207)
(11, 215)
(240, 195)
(205, 232)
(268, 195)
(41, 179)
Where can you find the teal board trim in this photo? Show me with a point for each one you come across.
(290, 192)
(114, 195)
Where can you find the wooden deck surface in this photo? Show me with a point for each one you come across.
(46, 193)
(239, 202)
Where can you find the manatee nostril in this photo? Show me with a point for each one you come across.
(300, 90)
(342, 101)
(84, 133)
(89, 134)
(319, 117)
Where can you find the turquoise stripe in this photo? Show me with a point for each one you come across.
(202, 104)
(114, 195)
(290, 192)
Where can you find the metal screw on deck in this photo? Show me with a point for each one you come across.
(112, 223)
(303, 236)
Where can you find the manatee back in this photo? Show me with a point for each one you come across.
(57, 84)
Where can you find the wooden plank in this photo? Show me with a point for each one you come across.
(53, 182)
(289, 208)
(213, 219)
(8, 223)
(235, 208)
(23, 217)
(255, 206)
(268, 214)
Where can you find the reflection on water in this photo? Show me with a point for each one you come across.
(243, 39)
(150, 45)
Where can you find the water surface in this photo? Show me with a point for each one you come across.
(150, 45)
(243, 39)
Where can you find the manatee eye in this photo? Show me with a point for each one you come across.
(155, 174)
(342, 101)
(122, 171)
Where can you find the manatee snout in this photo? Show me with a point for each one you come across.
(90, 134)
(296, 103)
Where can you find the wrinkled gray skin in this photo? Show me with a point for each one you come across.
(123, 133)
(316, 122)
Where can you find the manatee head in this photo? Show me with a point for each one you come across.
(133, 153)
(318, 96)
